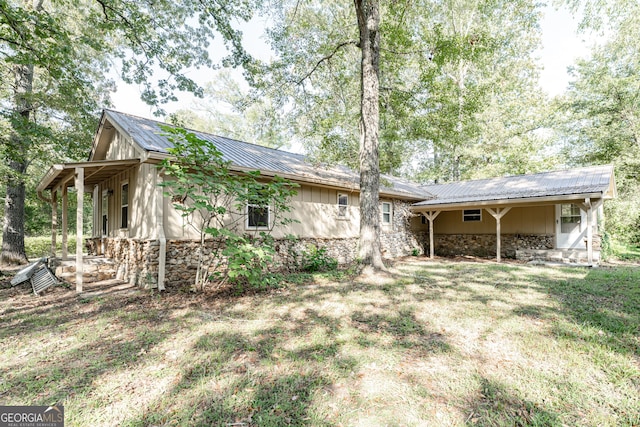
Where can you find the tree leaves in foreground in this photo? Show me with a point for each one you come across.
(55, 57)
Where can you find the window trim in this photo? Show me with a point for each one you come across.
(257, 227)
(122, 205)
(342, 209)
(383, 213)
(469, 217)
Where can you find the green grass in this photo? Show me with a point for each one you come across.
(40, 246)
(434, 343)
(624, 251)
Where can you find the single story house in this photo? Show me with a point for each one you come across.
(136, 225)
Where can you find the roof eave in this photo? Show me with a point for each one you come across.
(157, 157)
(518, 201)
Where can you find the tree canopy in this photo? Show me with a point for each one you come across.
(56, 62)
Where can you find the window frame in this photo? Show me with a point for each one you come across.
(389, 213)
(248, 226)
(467, 216)
(342, 208)
(124, 206)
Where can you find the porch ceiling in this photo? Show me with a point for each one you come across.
(94, 173)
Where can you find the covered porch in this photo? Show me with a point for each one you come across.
(84, 177)
(552, 215)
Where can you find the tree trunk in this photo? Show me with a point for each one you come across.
(13, 251)
(369, 250)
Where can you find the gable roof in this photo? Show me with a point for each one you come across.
(149, 135)
(592, 181)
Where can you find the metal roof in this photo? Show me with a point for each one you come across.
(149, 135)
(578, 181)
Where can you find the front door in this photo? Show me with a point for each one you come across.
(105, 213)
(571, 226)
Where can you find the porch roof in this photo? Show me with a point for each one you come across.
(564, 185)
(94, 172)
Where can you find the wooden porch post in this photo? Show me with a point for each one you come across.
(65, 221)
(54, 221)
(498, 213)
(79, 184)
(431, 216)
(589, 210)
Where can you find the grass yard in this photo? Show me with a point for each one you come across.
(437, 343)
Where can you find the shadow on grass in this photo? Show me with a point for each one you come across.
(603, 307)
(235, 378)
(405, 330)
(63, 373)
(495, 405)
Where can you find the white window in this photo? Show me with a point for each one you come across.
(472, 215)
(386, 213)
(124, 205)
(343, 202)
(258, 212)
(570, 218)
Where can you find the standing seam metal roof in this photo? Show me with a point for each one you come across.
(586, 180)
(150, 136)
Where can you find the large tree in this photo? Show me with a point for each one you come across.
(341, 74)
(368, 13)
(54, 59)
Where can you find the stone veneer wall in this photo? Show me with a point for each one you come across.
(484, 245)
(138, 259)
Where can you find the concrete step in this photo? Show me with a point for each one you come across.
(94, 270)
(566, 256)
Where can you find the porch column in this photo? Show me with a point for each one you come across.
(54, 221)
(431, 216)
(65, 221)
(498, 213)
(587, 203)
(79, 184)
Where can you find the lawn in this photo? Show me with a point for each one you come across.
(435, 343)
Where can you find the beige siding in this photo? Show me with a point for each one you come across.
(114, 204)
(314, 208)
(121, 147)
(143, 195)
(524, 220)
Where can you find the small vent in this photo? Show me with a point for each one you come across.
(42, 279)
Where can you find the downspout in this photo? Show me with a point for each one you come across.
(162, 255)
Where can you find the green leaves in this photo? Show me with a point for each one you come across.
(214, 200)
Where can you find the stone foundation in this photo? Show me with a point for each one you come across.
(137, 260)
(484, 245)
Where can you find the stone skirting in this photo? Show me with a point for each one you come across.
(137, 260)
(484, 245)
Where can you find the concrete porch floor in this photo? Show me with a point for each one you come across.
(564, 256)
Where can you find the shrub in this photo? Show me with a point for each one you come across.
(314, 259)
(40, 246)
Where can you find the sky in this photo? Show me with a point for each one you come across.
(561, 46)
